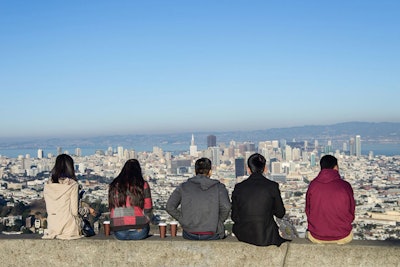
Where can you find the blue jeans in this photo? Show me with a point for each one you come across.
(191, 236)
(132, 234)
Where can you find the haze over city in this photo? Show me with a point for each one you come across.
(78, 68)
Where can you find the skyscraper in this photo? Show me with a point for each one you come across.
(239, 167)
(288, 153)
(120, 151)
(40, 153)
(211, 141)
(352, 147)
(78, 152)
(215, 156)
(358, 146)
(193, 148)
(312, 160)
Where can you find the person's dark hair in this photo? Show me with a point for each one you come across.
(328, 162)
(129, 182)
(256, 163)
(63, 168)
(202, 166)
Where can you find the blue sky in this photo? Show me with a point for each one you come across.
(82, 68)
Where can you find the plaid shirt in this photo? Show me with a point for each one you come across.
(128, 217)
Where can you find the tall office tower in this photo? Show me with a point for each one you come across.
(358, 146)
(265, 152)
(40, 153)
(211, 141)
(78, 152)
(344, 147)
(288, 153)
(352, 147)
(328, 148)
(120, 151)
(305, 145)
(239, 167)
(59, 150)
(312, 160)
(296, 154)
(193, 148)
(214, 156)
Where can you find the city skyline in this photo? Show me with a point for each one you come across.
(102, 68)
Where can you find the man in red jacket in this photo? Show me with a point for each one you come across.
(330, 205)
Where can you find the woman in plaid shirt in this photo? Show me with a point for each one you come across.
(130, 203)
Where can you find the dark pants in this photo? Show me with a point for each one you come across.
(191, 236)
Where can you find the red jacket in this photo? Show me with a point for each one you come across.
(330, 206)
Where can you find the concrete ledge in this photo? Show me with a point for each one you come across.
(102, 251)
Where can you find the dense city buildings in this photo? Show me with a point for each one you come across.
(293, 164)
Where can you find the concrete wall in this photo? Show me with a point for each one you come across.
(101, 251)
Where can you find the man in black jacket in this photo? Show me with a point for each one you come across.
(255, 202)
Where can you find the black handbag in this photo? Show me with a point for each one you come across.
(86, 228)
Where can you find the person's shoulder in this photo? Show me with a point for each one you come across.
(221, 186)
(345, 183)
(268, 180)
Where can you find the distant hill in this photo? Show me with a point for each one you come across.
(369, 131)
(386, 132)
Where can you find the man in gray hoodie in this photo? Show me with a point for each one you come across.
(204, 204)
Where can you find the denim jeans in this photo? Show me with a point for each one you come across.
(132, 234)
(191, 236)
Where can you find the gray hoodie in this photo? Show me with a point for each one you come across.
(204, 205)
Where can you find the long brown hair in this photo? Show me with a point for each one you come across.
(129, 182)
(63, 168)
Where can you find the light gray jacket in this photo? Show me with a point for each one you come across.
(204, 205)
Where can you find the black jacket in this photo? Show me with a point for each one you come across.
(254, 202)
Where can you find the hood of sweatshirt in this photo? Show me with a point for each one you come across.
(204, 182)
(55, 191)
(327, 175)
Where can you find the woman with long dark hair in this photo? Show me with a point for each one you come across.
(61, 197)
(130, 203)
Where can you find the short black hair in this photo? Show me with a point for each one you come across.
(256, 163)
(202, 166)
(328, 162)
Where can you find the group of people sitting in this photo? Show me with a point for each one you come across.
(201, 204)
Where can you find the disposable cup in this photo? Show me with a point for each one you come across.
(163, 229)
(106, 225)
(173, 227)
